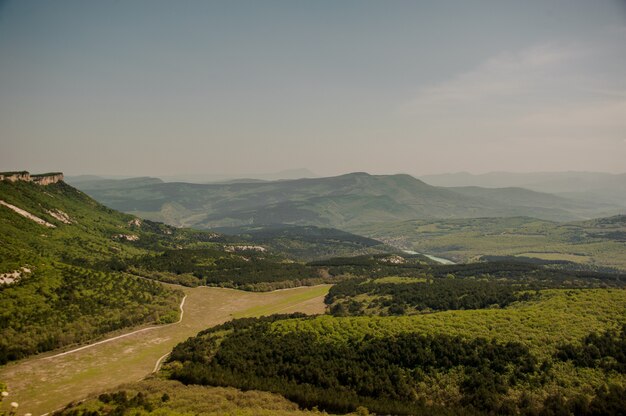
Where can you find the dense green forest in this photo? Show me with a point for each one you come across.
(456, 287)
(528, 357)
(606, 351)
(218, 268)
(372, 371)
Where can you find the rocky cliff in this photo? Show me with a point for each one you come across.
(40, 179)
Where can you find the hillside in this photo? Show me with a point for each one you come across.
(340, 202)
(545, 355)
(72, 270)
(55, 288)
(308, 243)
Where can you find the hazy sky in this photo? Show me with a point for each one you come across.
(171, 87)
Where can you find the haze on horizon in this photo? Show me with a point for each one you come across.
(166, 88)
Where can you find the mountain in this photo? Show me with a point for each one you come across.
(72, 270)
(96, 182)
(584, 186)
(340, 202)
(246, 177)
(521, 197)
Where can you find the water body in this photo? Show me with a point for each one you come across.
(435, 258)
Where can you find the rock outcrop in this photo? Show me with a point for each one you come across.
(27, 214)
(47, 178)
(40, 179)
(15, 176)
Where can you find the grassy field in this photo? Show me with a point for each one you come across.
(45, 383)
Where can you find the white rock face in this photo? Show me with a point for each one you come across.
(14, 276)
(393, 260)
(127, 237)
(15, 176)
(60, 215)
(27, 214)
(47, 179)
(232, 249)
(134, 223)
(27, 177)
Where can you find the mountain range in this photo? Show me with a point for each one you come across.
(210, 178)
(343, 201)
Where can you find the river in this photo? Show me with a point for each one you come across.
(435, 258)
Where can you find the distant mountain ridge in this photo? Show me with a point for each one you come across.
(341, 201)
(286, 174)
(585, 186)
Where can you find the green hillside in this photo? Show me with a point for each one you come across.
(60, 292)
(308, 243)
(530, 357)
(341, 202)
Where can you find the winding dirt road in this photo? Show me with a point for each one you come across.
(46, 383)
(182, 312)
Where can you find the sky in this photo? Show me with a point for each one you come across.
(420, 87)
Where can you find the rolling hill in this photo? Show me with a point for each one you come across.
(341, 202)
(56, 288)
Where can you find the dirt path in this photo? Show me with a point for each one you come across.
(182, 312)
(44, 384)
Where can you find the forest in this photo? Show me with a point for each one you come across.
(219, 268)
(62, 305)
(433, 294)
(401, 373)
(456, 287)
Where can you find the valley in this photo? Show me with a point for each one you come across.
(312, 208)
(123, 311)
(595, 243)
